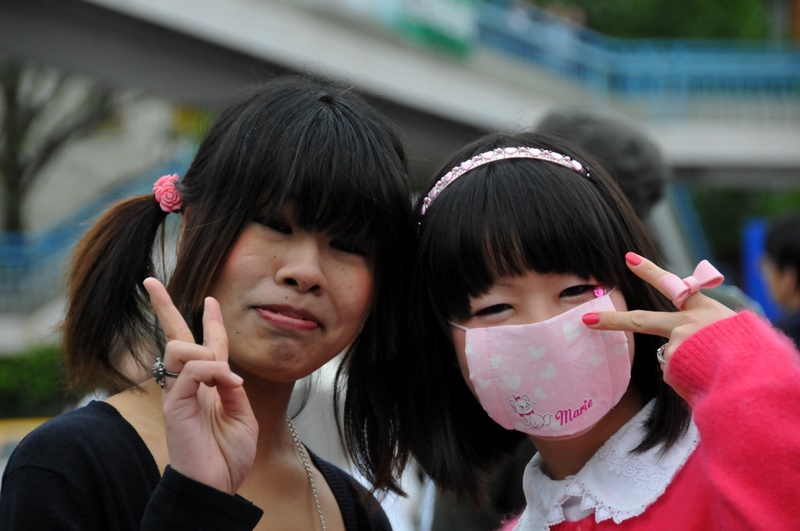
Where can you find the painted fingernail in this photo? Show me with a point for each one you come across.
(633, 259)
(591, 318)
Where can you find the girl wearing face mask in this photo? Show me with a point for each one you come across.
(537, 312)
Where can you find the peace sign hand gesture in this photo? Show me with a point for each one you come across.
(697, 311)
(210, 427)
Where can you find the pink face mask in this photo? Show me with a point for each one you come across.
(550, 379)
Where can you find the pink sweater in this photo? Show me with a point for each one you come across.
(743, 378)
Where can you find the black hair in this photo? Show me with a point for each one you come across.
(503, 219)
(782, 241)
(295, 139)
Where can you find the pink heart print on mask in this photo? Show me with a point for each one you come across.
(551, 379)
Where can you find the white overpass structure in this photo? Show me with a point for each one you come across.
(199, 51)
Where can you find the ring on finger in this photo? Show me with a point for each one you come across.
(660, 354)
(160, 372)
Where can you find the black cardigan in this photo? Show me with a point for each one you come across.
(89, 470)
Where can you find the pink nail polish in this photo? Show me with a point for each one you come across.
(591, 318)
(633, 259)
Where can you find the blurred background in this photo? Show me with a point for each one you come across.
(101, 97)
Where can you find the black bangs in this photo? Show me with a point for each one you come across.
(335, 160)
(512, 216)
(314, 157)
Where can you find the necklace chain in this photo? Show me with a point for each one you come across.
(304, 458)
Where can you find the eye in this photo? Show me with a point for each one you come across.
(491, 310)
(580, 290)
(275, 224)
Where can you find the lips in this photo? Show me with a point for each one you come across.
(289, 317)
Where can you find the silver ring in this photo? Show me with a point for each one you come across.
(660, 354)
(160, 372)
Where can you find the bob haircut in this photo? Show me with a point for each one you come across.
(293, 140)
(498, 220)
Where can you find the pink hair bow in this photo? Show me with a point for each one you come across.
(705, 276)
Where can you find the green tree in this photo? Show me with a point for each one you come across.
(693, 19)
(31, 383)
(41, 111)
(724, 212)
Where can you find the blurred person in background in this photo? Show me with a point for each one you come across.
(630, 154)
(625, 149)
(781, 269)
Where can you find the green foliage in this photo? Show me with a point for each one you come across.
(724, 211)
(692, 19)
(191, 122)
(31, 383)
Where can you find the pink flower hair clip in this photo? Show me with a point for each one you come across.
(167, 194)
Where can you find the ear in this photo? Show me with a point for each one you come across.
(791, 273)
(786, 282)
(782, 283)
(792, 280)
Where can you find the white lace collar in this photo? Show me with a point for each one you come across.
(613, 484)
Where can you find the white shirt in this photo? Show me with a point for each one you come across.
(615, 483)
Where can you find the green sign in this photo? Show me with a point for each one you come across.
(448, 25)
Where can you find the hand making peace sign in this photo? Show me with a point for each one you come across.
(210, 427)
(697, 311)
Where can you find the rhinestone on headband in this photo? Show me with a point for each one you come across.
(495, 155)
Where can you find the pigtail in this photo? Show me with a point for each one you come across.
(106, 318)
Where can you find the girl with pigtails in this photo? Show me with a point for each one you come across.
(539, 310)
(295, 230)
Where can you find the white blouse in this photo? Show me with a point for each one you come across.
(614, 483)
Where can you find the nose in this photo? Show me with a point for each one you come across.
(539, 311)
(301, 266)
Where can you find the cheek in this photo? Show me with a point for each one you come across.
(367, 283)
(360, 288)
(246, 258)
(236, 273)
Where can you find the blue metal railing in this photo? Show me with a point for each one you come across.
(669, 75)
(672, 77)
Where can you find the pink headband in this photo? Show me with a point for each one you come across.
(495, 155)
(167, 194)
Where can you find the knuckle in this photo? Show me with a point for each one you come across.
(172, 344)
(638, 318)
